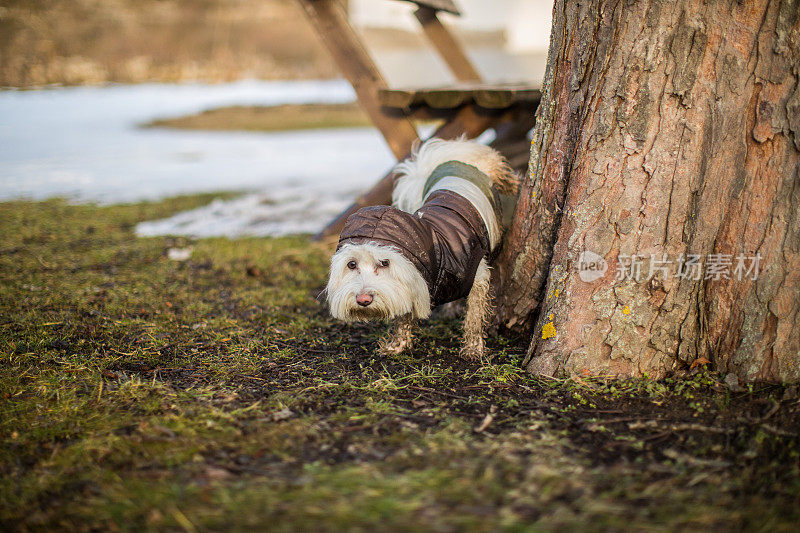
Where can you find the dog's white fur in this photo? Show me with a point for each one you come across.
(399, 291)
(414, 171)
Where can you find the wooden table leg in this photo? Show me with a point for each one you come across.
(447, 46)
(331, 24)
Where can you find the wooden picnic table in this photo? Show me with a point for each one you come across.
(469, 107)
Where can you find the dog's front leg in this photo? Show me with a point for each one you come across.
(478, 308)
(400, 338)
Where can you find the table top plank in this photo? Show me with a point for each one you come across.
(447, 6)
(486, 96)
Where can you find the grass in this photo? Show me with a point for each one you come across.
(135, 41)
(140, 393)
(289, 117)
(277, 118)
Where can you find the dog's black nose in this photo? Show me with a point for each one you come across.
(363, 299)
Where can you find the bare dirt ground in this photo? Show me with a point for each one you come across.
(214, 393)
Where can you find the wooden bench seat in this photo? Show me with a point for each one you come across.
(486, 96)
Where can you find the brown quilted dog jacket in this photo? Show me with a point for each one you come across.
(445, 239)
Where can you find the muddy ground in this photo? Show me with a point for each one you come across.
(140, 392)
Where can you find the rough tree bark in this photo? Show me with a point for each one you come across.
(665, 128)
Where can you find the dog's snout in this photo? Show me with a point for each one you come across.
(363, 299)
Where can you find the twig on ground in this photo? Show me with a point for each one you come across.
(486, 420)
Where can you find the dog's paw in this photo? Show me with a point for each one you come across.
(473, 351)
(394, 346)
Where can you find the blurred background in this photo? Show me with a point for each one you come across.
(126, 100)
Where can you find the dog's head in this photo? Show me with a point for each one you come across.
(372, 281)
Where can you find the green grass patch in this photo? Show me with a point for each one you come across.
(141, 393)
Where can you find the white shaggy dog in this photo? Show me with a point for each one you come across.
(431, 247)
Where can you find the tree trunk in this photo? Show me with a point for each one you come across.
(668, 140)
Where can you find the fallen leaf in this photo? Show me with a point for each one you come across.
(179, 254)
(213, 472)
(283, 414)
(486, 420)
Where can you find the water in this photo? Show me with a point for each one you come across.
(85, 144)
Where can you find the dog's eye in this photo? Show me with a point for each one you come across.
(351, 265)
(385, 263)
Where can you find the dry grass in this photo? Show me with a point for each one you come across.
(96, 41)
(278, 118)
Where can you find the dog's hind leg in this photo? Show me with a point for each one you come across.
(478, 308)
(401, 337)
